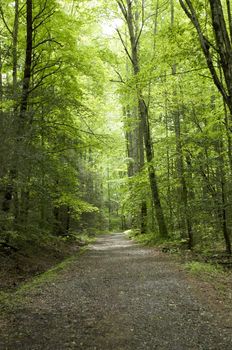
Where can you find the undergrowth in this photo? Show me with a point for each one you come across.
(153, 239)
(215, 275)
(197, 268)
(144, 239)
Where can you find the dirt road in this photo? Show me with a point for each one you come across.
(117, 296)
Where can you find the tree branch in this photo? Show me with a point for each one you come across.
(45, 41)
(44, 20)
(139, 35)
(4, 21)
(124, 45)
(42, 9)
(119, 75)
(42, 69)
(190, 12)
(123, 8)
(40, 82)
(229, 17)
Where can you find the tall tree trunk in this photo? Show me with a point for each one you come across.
(27, 65)
(24, 207)
(7, 192)
(1, 97)
(1, 87)
(169, 197)
(8, 195)
(225, 228)
(109, 198)
(185, 215)
(15, 50)
(143, 226)
(23, 118)
(132, 139)
(151, 170)
(56, 223)
(223, 45)
(143, 113)
(68, 219)
(222, 201)
(184, 205)
(135, 152)
(227, 121)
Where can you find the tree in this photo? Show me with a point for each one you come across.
(48, 113)
(142, 107)
(221, 48)
(220, 69)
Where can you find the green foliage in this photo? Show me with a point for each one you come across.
(146, 239)
(49, 181)
(197, 268)
(189, 123)
(68, 170)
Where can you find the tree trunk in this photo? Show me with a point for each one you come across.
(56, 224)
(67, 220)
(8, 195)
(151, 171)
(135, 152)
(223, 45)
(24, 207)
(141, 161)
(226, 232)
(15, 50)
(22, 120)
(109, 198)
(1, 87)
(27, 65)
(169, 197)
(185, 215)
(222, 202)
(143, 113)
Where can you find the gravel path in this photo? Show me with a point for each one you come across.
(118, 295)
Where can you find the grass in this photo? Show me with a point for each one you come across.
(152, 239)
(215, 276)
(8, 300)
(199, 268)
(146, 239)
(50, 274)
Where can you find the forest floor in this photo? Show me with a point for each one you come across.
(119, 295)
(32, 259)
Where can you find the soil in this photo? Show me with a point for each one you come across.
(20, 266)
(119, 296)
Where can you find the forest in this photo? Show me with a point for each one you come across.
(116, 115)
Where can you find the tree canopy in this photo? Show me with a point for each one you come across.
(116, 115)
